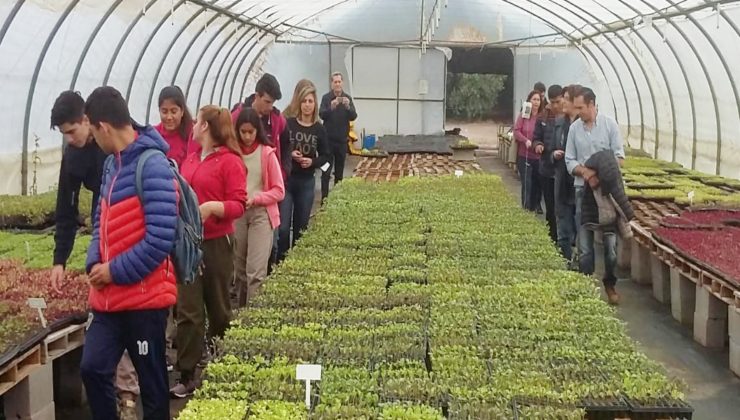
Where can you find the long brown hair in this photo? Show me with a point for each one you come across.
(220, 127)
(542, 100)
(293, 110)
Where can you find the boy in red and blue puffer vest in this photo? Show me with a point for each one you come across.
(131, 275)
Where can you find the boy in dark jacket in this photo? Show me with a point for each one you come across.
(82, 164)
(131, 275)
(544, 132)
(337, 110)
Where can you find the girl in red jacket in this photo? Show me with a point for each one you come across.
(218, 177)
(176, 126)
(265, 189)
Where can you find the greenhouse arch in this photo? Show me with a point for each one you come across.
(662, 68)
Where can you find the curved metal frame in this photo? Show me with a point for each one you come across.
(629, 68)
(164, 58)
(231, 67)
(90, 40)
(236, 54)
(703, 66)
(239, 66)
(200, 58)
(731, 78)
(609, 59)
(665, 80)
(593, 56)
(670, 94)
(32, 89)
(246, 75)
(192, 41)
(245, 41)
(154, 33)
(202, 54)
(123, 39)
(223, 43)
(9, 19)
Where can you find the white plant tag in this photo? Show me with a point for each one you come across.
(691, 197)
(458, 173)
(38, 304)
(308, 373)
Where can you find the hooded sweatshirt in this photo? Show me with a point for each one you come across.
(179, 148)
(274, 126)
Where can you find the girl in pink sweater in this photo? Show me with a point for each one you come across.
(528, 160)
(265, 189)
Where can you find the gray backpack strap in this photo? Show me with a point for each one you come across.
(140, 168)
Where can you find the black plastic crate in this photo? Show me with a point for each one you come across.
(660, 409)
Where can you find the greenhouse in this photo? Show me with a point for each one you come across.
(366, 209)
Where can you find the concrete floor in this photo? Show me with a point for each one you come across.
(713, 390)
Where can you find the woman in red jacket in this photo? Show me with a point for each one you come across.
(176, 126)
(265, 189)
(217, 174)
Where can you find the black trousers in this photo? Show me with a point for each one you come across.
(547, 185)
(338, 150)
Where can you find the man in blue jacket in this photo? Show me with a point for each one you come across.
(131, 274)
(82, 164)
(337, 110)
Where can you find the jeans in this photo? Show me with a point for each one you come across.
(338, 151)
(142, 333)
(530, 179)
(295, 211)
(547, 184)
(566, 223)
(586, 247)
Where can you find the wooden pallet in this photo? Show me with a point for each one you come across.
(19, 368)
(61, 342)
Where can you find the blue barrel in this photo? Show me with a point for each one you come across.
(369, 141)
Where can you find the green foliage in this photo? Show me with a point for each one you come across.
(37, 250)
(214, 409)
(423, 294)
(653, 179)
(473, 96)
(36, 211)
(277, 410)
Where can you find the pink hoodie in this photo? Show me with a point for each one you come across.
(273, 188)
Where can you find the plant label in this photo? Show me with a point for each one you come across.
(38, 304)
(458, 173)
(691, 197)
(308, 373)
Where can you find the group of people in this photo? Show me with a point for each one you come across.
(252, 169)
(557, 144)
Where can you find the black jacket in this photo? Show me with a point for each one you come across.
(80, 166)
(544, 131)
(336, 121)
(610, 182)
(564, 189)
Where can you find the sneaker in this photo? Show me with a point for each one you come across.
(127, 409)
(612, 295)
(183, 389)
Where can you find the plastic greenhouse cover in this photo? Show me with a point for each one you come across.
(671, 83)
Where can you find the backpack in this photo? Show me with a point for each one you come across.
(186, 252)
